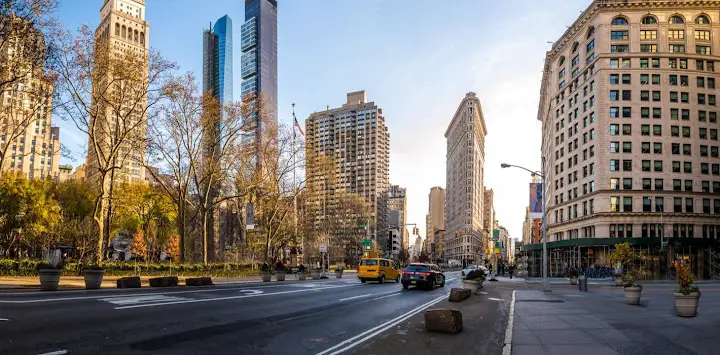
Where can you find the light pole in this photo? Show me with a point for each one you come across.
(546, 280)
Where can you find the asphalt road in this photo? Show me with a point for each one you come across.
(295, 317)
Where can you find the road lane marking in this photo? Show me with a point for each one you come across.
(496, 299)
(252, 292)
(127, 300)
(370, 333)
(354, 297)
(507, 347)
(4, 319)
(227, 298)
(57, 352)
(219, 289)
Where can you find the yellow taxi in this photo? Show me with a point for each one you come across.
(378, 269)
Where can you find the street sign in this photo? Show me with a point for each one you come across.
(323, 248)
(497, 245)
(367, 242)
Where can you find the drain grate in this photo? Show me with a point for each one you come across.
(541, 301)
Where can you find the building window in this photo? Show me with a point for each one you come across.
(702, 35)
(677, 48)
(619, 48)
(618, 35)
(649, 20)
(659, 184)
(689, 205)
(705, 50)
(702, 20)
(648, 34)
(676, 20)
(614, 204)
(648, 48)
(619, 21)
(627, 204)
(657, 149)
(676, 34)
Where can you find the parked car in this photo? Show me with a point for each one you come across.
(427, 276)
(474, 267)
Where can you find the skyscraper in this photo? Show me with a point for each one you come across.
(436, 213)
(397, 200)
(628, 106)
(355, 137)
(28, 142)
(218, 60)
(122, 30)
(259, 57)
(464, 197)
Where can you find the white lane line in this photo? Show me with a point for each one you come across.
(126, 300)
(220, 289)
(450, 280)
(354, 297)
(507, 347)
(370, 333)
(4, 319)
(227, 298)
(58, 352)
(496, 299)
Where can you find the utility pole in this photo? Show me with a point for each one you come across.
(302, 240)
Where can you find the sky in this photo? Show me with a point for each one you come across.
(416, 59)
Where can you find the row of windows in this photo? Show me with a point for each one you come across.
(625, 204)
(677, 19)
(653, 48)
(654, 63)
(675, 131)
(645, 95)
(659, 185)
(615, 147)
(657, 166)
(654, 79)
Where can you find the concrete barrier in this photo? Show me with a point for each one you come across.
(198, 281)
(443, 320)
(165, 281)
(129, 282)
(459, 294)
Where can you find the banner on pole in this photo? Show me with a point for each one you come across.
(536, 197)
(250, 220)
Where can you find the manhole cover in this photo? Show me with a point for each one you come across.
(544, 301)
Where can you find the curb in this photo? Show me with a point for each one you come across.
(507, 347)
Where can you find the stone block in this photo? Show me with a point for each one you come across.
(165, 281)
(443, 320)
(198, 281)
(129, 282)
(459, 294)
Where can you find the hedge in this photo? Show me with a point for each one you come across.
(27, 267)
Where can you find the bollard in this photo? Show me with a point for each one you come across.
(582, 283)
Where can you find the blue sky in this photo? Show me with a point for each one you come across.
(415, 58)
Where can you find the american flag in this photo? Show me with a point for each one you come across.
(298, 127)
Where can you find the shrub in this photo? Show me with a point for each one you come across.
(685, 278)
(27, 267)
(572, 272)
(338, 268)
(475, 275)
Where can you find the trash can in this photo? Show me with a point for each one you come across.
(582, 283)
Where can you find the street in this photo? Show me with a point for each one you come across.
(298, 317)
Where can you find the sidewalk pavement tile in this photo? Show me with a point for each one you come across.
(565, 336)
(584, 349)
(585, 321)
(524, 337)
(644, 348)
(553, 325)
(528, 350)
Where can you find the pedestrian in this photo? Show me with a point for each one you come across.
(511, 268)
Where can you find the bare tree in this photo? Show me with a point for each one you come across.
(109, 95)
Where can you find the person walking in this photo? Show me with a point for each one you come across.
(511, 269)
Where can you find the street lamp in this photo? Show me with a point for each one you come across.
(546, 280)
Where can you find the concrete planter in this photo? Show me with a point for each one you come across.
(686, 306)
(93, 278)
(472, 285)
(302, 276)
(315, 274)
(632, 295)
(338, 274)
(265, 276)
(573, 280)
(280, 275)
(49, 279)
(618, 281)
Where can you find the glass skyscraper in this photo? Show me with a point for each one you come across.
(259, 54)
(218, 60)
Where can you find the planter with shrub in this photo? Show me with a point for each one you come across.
(302, 275)
(687, 296)
(338, 272)
(49, 276)
(632, 290)
(315, 273)
(280, 271)
(573, 275)
(474, 280)
(265, 273)
(93, 275)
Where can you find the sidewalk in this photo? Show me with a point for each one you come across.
(78, 282)
(599, 322)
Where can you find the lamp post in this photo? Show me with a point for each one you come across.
(546, 280)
